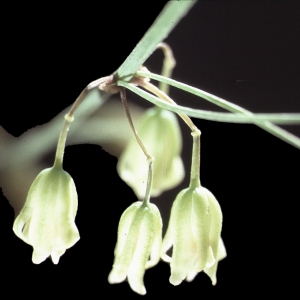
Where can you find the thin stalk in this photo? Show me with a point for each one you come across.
(149, 183)
(169, 64)
(195, 167)
(69, 117)
(128, 115)
(153, 89)
(148, 156)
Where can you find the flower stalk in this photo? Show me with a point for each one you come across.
(128, 115)
(195, 167)
(69, 118)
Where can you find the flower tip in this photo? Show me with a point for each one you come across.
(115, 277)
(213, 277)
(55, 259)
(55, 255)
(138, 288)
(141, 291)
(175, 280)
(191, 276)
(38, 257)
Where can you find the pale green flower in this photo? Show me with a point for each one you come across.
(160, 132)
(47, 219)
(139, 236)
(194, 232)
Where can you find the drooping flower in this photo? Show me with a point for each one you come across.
(160, 132)
(139, 236)
(194, 231)
(47, 219)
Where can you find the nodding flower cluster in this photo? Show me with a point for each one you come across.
(195, 224)
(47, 220)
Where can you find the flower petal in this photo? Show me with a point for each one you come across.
(39, 256)
(215, 236)
(201, 223)
(128, 231)
(184, 253)
(157, 241)
(142, 251)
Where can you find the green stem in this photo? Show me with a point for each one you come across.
(148, 156)
(62, 142)
(195, 167)
(154, 90)
(172, 13)
(169, 64)
(149, 182)
(69, 117)
(128, 115)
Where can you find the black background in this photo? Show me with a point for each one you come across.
(247, 52)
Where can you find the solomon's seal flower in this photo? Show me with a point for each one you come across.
(161, 135)
(139, 236)
(194, 228)
(47, 219)
(194, 232)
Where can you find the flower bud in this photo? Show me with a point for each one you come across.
(47, 219)
(139, 236)
(194, 232)
(160, 132)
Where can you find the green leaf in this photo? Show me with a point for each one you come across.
(257, 119)
(172, 13)
(265, 124)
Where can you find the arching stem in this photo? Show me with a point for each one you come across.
(69, 117)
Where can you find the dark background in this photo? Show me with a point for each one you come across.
(247, 52)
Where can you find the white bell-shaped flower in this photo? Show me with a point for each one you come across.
(47, 219)
(160, 132)
(194, 232)
(139, 237)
